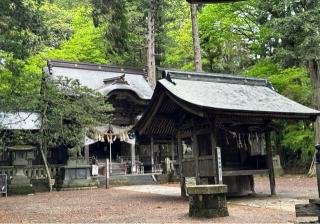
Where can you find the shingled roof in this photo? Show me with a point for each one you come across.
(225, 92)
(103, 78)
(219, 94)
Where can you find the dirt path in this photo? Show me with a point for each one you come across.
(123, 206)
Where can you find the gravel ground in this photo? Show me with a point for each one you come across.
(119, 206)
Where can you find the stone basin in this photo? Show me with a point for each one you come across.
(208, 201)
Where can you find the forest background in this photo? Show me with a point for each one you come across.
(278, 40)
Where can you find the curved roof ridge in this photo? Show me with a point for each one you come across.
(170, 74)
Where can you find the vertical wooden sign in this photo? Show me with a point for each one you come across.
(219, 164)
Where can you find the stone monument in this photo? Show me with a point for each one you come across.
(77, 173)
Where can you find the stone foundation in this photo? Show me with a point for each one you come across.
(208, 201)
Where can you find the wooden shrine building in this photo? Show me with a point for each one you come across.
(208, 113)
(128, 91)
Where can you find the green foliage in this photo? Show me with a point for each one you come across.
(292, 82)
(70, 109)
(125, 29)
(293, 33)
(21, 27)
(178, 46)
(227, 34)
(299, 139)
(85, 45)
(18, 79)
(58, 24)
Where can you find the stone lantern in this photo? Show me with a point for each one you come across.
(21, 157)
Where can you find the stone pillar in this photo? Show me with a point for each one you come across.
(133, 157)
(208, 201)
(86, 153)
(152, 153)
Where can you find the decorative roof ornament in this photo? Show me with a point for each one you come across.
(117, 80)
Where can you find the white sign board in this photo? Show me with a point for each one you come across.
(219, 164)
(95, 170)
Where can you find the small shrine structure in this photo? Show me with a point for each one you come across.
(222, 126)
(127, 89)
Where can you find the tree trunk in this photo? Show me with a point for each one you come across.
(196, 39)
(314, 70)
(43, 140)
(151, 60)
(43, 151)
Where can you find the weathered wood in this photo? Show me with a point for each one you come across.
(244, 172)
(307, 210)
(195, 150)
(180, 155)
(270, 164)
(188, 168)
(152, 114)
(212, 123)
(172, 149)
(152, 154)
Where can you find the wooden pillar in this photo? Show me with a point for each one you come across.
(172, 149)
(195, 150)
(152, 153)
(270, 164)
(182, 178)
(213, 138)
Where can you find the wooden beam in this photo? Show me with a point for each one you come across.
(195, 150)
(182, 178)
(196, 110)
(172, 149)
(152, 114)
(270, 164)
(213, 138)
(244, 172)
